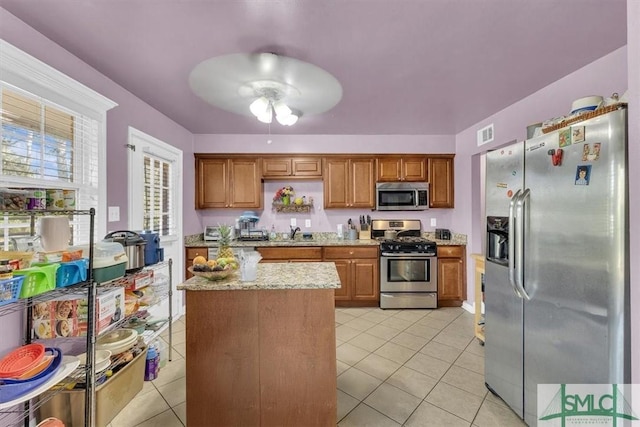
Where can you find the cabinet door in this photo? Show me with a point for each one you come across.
(344, 292)
(336, 179)
(440, 182)
(212, 183)
(362, 184)
(389, 169)
(190, 254)
(414, 169)
(306, 167)
(451, 275)
(365, 280)
(275, 167)
(246, 184)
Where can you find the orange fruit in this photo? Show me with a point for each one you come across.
(199, 260)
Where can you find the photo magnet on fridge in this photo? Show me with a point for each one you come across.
(564, 138)
(577, 134)
(583, 174)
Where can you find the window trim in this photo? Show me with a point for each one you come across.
(26, 72)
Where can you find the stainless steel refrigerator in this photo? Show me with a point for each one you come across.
(557, 270)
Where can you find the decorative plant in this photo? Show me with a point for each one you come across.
(286, 191)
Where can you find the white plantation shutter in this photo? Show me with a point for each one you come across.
(52, 131)
(158, 204)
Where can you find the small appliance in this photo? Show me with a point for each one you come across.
(212, 234)
(153, 253)
(402, 196)
(443, 234)
(134, 247)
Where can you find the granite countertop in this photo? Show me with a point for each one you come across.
(319, 239)
(274, 275)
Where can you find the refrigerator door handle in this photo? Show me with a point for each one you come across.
(512, 241)
(521, 204)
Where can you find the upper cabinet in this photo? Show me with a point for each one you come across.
(228, 182)
(441, 181)
(349, 182)
(292, 167)
(393, 169)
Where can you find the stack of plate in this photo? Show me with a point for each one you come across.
(117, 341)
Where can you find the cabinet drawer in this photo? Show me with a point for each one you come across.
(450, 251)
(285, 254)
(194, 252)
(350, 252)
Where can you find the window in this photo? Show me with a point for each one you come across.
(52, 132)
(157, 195)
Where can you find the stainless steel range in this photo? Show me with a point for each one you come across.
(408, 265)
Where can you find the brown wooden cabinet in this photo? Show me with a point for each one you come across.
(441, 181)
(358, 269)
(348, 182)
(292, 167)
(291, 254)
(392, 169)
(189, 254)
(223, 182)
(452, 283)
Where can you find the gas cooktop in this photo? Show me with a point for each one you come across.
(415, 245)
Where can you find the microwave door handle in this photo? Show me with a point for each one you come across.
(512, 242)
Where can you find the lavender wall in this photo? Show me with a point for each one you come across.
(130, 111)
(604, 76)
(322, 220)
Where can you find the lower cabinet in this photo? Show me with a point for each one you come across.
(359, 271)
(189, 254)
(452, 288)
(293, 254)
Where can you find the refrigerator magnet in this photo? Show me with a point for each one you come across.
(577, 134)
(594, 153)
(564, 137)
(583, 174)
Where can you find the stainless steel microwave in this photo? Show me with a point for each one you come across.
(402, 196)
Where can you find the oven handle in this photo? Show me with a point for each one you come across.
(407, 255)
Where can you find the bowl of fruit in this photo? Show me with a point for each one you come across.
(213, 269)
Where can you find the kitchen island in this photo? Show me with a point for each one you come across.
(263, 352)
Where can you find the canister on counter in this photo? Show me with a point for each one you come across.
(69, 199)
(36, 199)
(55, 199)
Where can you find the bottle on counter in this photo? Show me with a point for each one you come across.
(152, 364)
(273, 235)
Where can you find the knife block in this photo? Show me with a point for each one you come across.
(364, 235)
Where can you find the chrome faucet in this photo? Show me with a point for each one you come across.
(293, 232)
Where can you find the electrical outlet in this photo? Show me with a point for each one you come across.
(433, 222)
(307, 223)
(293, 222)
(114, 213)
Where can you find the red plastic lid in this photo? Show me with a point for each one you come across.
(21, 360)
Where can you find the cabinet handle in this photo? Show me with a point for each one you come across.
(350, 252)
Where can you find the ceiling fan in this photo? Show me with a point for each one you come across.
(265, 84)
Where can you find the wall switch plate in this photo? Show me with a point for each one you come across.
(307, 223)
(114, 213)
(433, 222)
(293, 222)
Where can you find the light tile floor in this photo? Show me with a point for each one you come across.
(409, 368)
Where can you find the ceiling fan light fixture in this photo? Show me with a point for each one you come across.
(288, 120)
(266, 116)
(281, 109)
(259, 106)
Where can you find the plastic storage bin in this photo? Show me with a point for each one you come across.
(37, 280)
(72, 272)
(10, 290)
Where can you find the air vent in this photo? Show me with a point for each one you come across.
(485, 134)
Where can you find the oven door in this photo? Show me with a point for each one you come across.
(408, 273)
